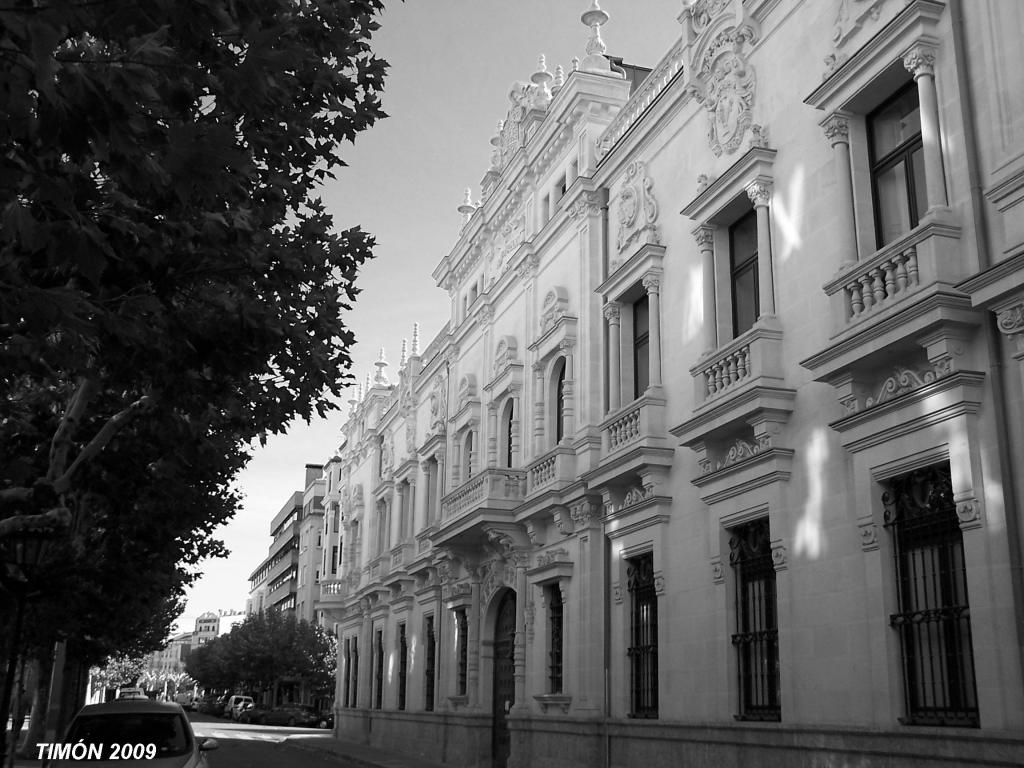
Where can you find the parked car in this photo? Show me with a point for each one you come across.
(254, 714)
(131, 693)
(133, 734)
(186, 701)
(236, 704)
(292, 715)
(326, 720)
(210, 705)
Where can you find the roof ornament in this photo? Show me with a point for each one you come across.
(367, 390)
(382, 377)
(405, 356)
(496, 143)
(559, 79)
(357, 396)
(415, 339)
(594, 18)
(542, 79)
(467, 208)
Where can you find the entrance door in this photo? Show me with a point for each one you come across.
(504, 688)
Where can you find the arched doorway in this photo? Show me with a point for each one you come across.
(504, 687)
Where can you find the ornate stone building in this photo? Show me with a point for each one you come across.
(718, 460)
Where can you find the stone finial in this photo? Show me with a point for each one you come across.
(594, 18)
(367, 390)
(415, 339)
(381, 378)
(542, 79)
(559, 79)
(495, 142)
(404, 359)
(467, 208)
(575, 63)
(357, 396)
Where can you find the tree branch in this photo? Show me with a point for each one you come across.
(55, 519)
(100, 440)
(61, 442)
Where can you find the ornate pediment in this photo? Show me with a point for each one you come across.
(554, 307)
(505, 354)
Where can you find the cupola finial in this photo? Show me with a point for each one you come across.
(594, 18)
(416, 339)
(381, 378)
(542, 79)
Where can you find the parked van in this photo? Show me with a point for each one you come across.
(235, 705)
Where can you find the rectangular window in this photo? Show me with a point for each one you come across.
(643, 637)
(897, 165)
(378, 672)
(430, 666)
(641, 346)
(403, 664)
(743, 273)
(933, 616)
(334, 559)
(354, 686)
(555, 639)
(347, 656)
(757, 630)
(462, 649)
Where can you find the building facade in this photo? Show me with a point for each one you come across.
(718, 459)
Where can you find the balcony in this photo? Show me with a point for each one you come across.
(897, 299)
(741, 394)
(281, 592)
(489, 496)
(552, 471)
(633, 438)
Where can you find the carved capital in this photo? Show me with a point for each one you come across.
(1011, 320)
(920, 60)
(717, 572)
(968, 512)
(705, 237)
(868, 535)
(837, 129)
(611, 312)
(779, 556)
(760, 193)
(651, 282)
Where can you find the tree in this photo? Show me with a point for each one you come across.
(118, 672)
(264, 651)
(170, 284)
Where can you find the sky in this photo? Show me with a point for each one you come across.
(452, 64)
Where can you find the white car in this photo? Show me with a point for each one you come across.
(131, 693)
(129, 734)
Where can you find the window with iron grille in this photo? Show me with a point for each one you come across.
(347, 656)
(378, 672)
(643, 637)
(355, 672)
(462, 631)
(555, 638)
(430, 666)
(403, 664)
(933, 618)
(757, 627)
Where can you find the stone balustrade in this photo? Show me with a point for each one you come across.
(625, 428)
(642, 421)
(498, 487)
(542, 473)
(651, 88)
(556, 468)
(925, 256)
(755, 356)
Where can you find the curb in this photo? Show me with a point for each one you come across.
(309, 745)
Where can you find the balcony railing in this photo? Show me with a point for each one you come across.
(634, 423)
(551, 469)
(755, 355)
(926, 255)
(501, 488)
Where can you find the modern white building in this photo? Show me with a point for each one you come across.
(719, 458)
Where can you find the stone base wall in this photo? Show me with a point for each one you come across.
(565, 743)
(442, 737)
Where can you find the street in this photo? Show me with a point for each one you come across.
(262, 746)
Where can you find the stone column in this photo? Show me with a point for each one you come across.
(456, 462)
(652, 284)
(538, 409)
(760, 194)
(473, 642)
(611, 312)
(568, 391)
(402, 510)
(519, 643)
(705, 237)
(492, 435)
(837, 130)
(516, 428)
(920, 62)
(429, 491)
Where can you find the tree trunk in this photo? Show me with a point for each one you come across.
(37, 721)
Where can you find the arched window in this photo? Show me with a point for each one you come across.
(467, 456)
(508, 416)
(558, 396)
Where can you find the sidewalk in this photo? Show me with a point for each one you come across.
(360, 755)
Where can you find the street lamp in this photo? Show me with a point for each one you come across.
(20, 554)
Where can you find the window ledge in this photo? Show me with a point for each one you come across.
(553, 701)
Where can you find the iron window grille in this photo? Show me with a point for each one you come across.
(757, 637)
(933, 617)
(643, 637)
(355, 672)
(555, 639)
(430, 666)
(462, 629)
(378, 676)
(403, 664)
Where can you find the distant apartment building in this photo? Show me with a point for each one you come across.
(288, 578)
